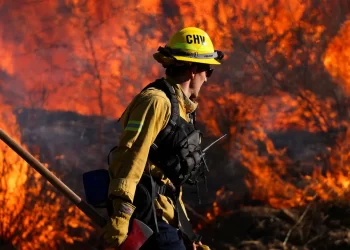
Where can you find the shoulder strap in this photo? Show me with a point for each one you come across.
(193, 118)
(164, 86)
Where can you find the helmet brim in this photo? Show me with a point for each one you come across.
(197, 60)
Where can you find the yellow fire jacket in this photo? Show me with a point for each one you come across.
(144, 118)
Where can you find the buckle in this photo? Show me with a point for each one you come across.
(161, 189)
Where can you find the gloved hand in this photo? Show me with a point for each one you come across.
(202, 247)
(116, 230)
(199, 246)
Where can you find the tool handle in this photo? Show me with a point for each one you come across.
(57, 183)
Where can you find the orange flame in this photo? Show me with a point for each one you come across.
(31, 211)
(221, 195)
(269, 178)
(91, 57)
(337, 57)
(278, 112)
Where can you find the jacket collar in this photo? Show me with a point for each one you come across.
(185, 102)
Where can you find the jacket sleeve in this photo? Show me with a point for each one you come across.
(145, 119)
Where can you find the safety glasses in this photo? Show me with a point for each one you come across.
(205, 67)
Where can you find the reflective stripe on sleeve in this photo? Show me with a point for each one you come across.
(134, 125)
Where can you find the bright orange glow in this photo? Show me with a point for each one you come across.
(92, 58)
(337, 57)
(31, 211)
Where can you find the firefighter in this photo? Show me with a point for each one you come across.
(159, 148)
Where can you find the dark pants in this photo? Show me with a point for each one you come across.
(168, 238)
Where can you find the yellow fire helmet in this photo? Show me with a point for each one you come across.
(189, 45)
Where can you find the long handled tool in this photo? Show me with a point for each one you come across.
(57, 183)
(139, 233)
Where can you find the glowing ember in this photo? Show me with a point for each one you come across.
(221, 195)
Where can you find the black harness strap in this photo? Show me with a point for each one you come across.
(185, 225)
(163, 85)
(154, 197)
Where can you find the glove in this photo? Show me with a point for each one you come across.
(202, 247)
(116, 230)
(197, 246)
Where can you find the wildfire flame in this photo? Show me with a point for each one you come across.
(215, 210)
(337, 56)
(31, 210)
(92, 57)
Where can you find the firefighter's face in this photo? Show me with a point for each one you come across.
(199, 76)
(197, 81)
